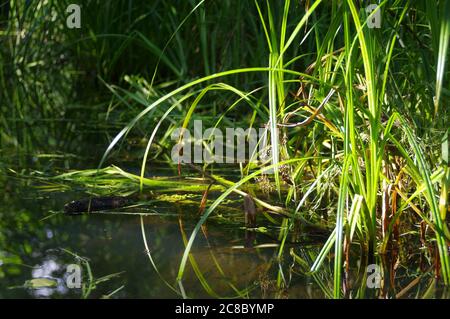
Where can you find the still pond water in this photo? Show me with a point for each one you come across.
(38, 242)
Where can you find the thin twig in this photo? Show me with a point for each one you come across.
(311, 118)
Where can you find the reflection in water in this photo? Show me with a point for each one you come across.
(49, 233)
(47, 270)
(227, 260)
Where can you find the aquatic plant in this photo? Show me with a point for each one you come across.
(371, 130)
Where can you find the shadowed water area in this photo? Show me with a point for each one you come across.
(39, 242)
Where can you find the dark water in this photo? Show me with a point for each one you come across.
(32, 247)
(38, 241)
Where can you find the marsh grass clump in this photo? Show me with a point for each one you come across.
(362, 110)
